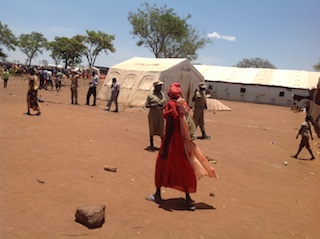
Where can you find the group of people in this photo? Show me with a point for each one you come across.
(34, 83)
(115, 90)
(10, 69)
(180, 163)
(156, 102)
(50, 76)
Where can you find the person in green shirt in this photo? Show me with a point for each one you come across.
(5, 77)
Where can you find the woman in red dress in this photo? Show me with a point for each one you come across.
(180, 162)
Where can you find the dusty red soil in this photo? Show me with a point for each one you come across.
(53, 163)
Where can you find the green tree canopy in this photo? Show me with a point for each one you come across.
(164, 33)
(32, 44)
(69, 50)
(255, 63)
(7, 39)
(95, 43)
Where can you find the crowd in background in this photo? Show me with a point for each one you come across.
(20, 69)
(49, 76)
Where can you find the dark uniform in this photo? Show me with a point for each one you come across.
(74, 89)
(156, 103)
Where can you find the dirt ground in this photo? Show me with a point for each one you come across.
(53, 163)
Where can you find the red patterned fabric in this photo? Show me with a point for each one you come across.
(175, 171)
(185, 163)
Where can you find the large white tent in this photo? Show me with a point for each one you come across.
(259, 85)
(137, 75)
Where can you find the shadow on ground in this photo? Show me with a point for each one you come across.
(178, 204)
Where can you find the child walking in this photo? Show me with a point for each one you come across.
(304, 131)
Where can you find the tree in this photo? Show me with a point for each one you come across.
(55, 56)
(32, 44)
(317, 67)
(69, 50)
(255, 63)
(165, 34)
(7, 39)
(95, 43)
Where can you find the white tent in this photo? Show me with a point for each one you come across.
(136, 77)
(259, 85)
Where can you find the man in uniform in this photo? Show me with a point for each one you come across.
(200, 104)
(73, 88)
(156, 102)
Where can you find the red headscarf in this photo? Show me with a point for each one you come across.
(174, 91)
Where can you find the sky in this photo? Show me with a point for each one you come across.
(284, 32)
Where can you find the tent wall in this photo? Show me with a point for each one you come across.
(188, 78)
(136, 85)
(143, 85)
(254, 93)
(105, 91)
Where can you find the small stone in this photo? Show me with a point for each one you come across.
(40, 181)
(212, 194)
(110, 168)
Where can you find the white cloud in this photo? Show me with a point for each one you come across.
(216, 35)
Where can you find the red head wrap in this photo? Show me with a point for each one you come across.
(174, 91)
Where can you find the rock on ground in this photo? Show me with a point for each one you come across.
(91, 216)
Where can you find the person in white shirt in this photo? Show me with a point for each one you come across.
(93, 89)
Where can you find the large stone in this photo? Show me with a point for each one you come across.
(91, 216)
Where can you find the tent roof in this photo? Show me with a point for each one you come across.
(216, 105)
(149, 64)
(260, 76)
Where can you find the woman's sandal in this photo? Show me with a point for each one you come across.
(153, 198)
(190, 204)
